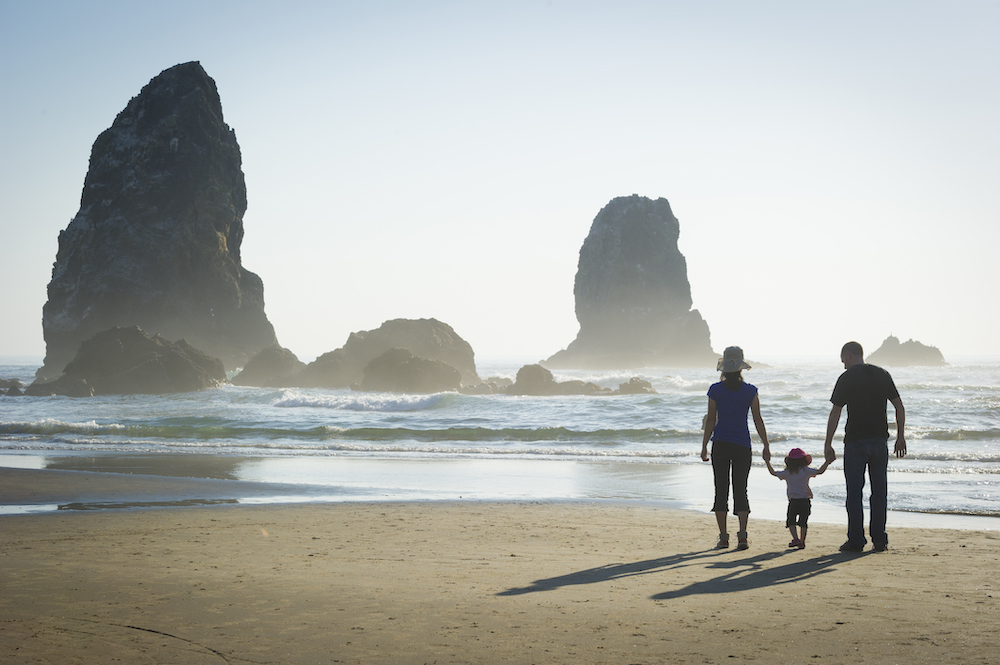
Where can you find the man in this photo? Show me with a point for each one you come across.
(865, 389)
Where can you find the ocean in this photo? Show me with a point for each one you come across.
(340, 445)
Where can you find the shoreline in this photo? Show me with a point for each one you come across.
(122, 482)
(475, 582)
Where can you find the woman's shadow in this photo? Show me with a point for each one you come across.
(740, 574)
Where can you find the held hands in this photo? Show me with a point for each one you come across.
(766, 454)
(829, 453)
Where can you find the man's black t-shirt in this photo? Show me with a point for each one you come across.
(865, 389)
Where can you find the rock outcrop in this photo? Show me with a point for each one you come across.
(892, 353)
(156, 242)
(122, 361)
(11, 387)
(636, 386)
(633, 298)
(274, 366)
(537, 380)
(399, 371)
(429, 339)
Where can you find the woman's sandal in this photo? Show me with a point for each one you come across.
(742, 543)
(723, 541)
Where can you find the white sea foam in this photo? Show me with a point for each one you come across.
(952, 427)
(359, 401)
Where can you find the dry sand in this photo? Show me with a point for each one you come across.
(479, 583)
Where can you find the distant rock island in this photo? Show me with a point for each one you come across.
(410, 356)
(892, 353)
(423, 339)
(633, 298)
(156, 242)
(122, 361)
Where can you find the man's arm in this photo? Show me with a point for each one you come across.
(900, 425)
(831, 429)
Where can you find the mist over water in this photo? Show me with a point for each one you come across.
(448, 445)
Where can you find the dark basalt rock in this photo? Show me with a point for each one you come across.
(156, 242)
(429, 339)
(398, 370)
(123, 361)
(636, 386)
(633, 298)
(908, 354)
(274, 366)
(538, 381)
(7, 384)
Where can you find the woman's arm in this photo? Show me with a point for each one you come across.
(709, 425)
(758, 421)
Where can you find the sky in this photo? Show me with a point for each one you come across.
(834, 166)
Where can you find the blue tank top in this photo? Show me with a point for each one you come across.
(732, 407)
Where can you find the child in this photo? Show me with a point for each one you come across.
(797, 473)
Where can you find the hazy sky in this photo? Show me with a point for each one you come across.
(835, 166)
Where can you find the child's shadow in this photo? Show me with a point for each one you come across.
(750, 574)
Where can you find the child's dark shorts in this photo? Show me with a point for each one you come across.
(798, 512)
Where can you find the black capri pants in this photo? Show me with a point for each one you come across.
(800, 509)
(731, 460)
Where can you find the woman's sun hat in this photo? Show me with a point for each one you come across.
(798, 453)
(732, 360)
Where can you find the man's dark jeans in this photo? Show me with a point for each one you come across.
(873, 455)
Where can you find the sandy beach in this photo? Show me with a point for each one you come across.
(456, 582)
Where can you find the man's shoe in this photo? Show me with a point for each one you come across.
(851, 547)
(880, 547)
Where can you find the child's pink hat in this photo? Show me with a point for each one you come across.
(798, 453)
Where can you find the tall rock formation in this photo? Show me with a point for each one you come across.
(633, 298)
(156, 242)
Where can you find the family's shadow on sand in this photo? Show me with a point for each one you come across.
(741, 574)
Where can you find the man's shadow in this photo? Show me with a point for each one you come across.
(743, 573)
(750, 574)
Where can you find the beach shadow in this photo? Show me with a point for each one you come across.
(742, 573)
(751, 574)
(616, 571)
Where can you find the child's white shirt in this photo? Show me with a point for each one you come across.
(798, 482)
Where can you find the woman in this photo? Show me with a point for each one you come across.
(726, 425)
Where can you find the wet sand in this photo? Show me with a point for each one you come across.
(467, 582)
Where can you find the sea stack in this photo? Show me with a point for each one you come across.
(910, 353)
(633, 298)
(156, 242)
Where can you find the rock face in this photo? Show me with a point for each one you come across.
(274, 366)
(156, 242)
(123, 361)
(429, 339)
(537, 380)
(907, 354)
(633, 298)
(399, 371)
